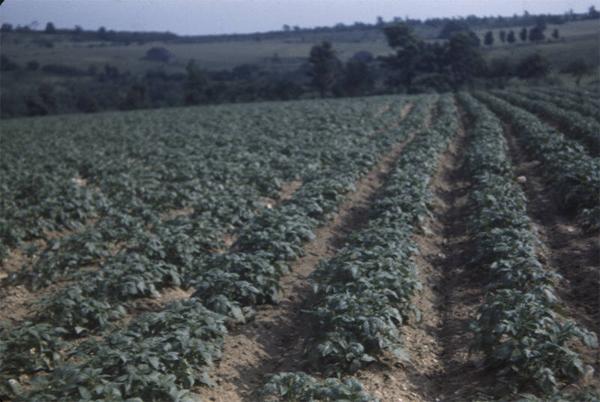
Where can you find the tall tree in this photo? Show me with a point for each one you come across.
(195, 84)
(523, 34)
(408, 49)
(536, 34)
(488, 39)
(325, 67)
(50, 28)
(555, 34)
(465, 59)
(357, 77)
(511, 38)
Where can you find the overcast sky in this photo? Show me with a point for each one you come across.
(230, 16)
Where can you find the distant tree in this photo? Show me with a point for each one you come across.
(245, 71)
(195, 84)
(135, 98)
(77, 30)
(6, 27)
(510, 38)
(357, 78)
(296, 28)
(593, 14)
(408, 47)
(380, 22)
(488, 38)
(502, 35)
(33, 65)
(533, 66)
(286, 28)
(160, 54)
(453, 27)
(473, 38)
(555, 33)
(50, 29)
(536, 34)
(578, 69)
(325, 67)
(523, 34)
(363, 55)
(7, 64)
(102, 34)
(540, 22)
(465, 59)
(86, 103)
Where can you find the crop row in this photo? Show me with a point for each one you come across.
(581, 128)
(581, 106)
(228, 284)
(575, 176)
(583, 97)
(518, 328)
(364, 293)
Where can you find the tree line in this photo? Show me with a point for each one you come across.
(414, 66)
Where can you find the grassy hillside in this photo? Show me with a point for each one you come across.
(578, 39)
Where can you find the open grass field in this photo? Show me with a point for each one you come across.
(414, 248)
(578, 39)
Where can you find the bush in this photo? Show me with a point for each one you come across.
(159, 54)
(61, 69)
(533, 66)
(7, 64)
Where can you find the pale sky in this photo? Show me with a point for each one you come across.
(189, 17)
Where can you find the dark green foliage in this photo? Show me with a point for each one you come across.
(578, 69)
(365, 291)
(532, 67)
(357, 78)
(581, 128)
(7, 64)
(160, 54)
(511, 38)
(153, 359)
(221, 174)
(325, 67)
(299, 387)
(523, 34)
(517, 327)
(195, 84)
(575, 175)
(536, 34)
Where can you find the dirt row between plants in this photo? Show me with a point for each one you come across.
(273, 342)
(438, 345)
(566, 248)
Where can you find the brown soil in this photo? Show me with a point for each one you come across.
(441, 367)
(566, 248)
(273, 342)
(175, 213)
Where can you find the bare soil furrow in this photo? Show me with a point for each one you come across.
(438, 345)
(274, 341)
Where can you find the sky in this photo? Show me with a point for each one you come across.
(199, 17)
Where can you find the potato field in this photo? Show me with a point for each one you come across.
(390, 248)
